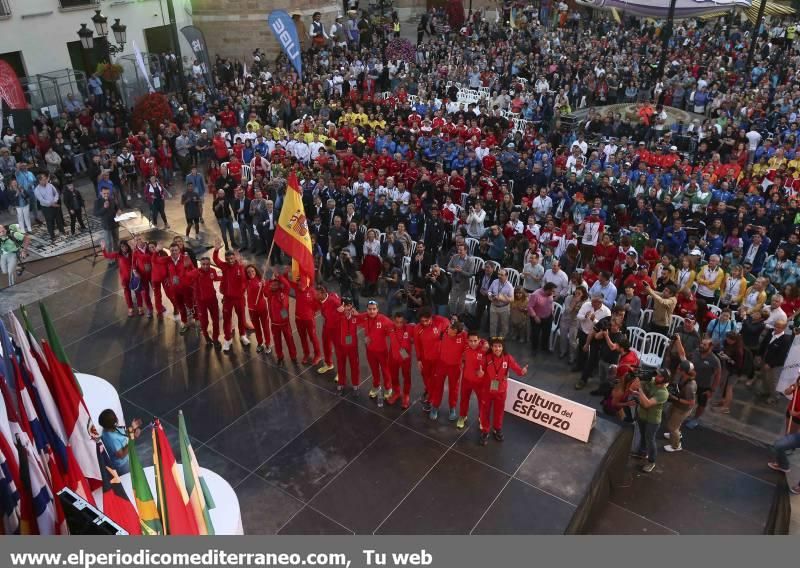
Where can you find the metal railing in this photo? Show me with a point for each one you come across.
(5, 9)
(77, 3)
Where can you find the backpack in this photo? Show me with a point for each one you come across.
(135, 283)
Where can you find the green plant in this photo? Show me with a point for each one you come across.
(109, 72)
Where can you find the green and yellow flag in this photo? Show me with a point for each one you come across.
(145, 504)
(199, 496)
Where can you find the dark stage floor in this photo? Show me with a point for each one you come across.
(305, 461)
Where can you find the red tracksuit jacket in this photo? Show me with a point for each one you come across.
(305, 305)
(376, 330)
(159, 274)
(178, 271)
(329, 310)
(278, 301)
(452, 348)
(256, 294)
(474, 359)
(427, 338)
(348, 329)
(497, 370)
(233, 277)
(400, 338)
(143, 263)
(203, 282)
(123, 265)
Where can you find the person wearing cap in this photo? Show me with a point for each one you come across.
(652, 395)
(232, 287)
(495, 376)
(277, 293)
(347, 348)
(376, 330)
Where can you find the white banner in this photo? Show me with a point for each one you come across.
(142, 67)
(791, 367)
(550, 410)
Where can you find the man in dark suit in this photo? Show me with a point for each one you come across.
(266, 225)
(241, 210)
(755, 250)
(774, 350)
(482, 283)
(420, 265)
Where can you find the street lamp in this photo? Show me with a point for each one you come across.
(101, 27)
(100, 23)
(87, 41)
(120, 34)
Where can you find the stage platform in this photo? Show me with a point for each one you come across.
(304, 461)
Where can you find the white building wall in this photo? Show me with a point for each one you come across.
(41, 29)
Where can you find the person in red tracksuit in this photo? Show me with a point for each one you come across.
(451, 356)
(277, 294)
(472, 378)
(376, 329)
(427, 341)
(347, 347)
(232, 288)
(205, 296)
(158, 278)
(400, 343)
(257, 307)
(328, 304)
(124, 260)
(143, 265)
(494, 388)
(304, 310)
(179, 265)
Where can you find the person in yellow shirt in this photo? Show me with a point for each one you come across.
(733, 289)
(279, 132)
(685, 275)
(761, 168)
(709, 279)
(253, 123)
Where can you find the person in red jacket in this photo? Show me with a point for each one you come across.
(400, 342)
(376, 329)
(474, 369)
(143, 268)
(158, 277)
(494, 388)
(124, 260)
(347, 348)
(451, 355)
(328, 304)
(179, 265)
(427, 340)
(257, 307)
(305, 300)
(232, 288)
(205, 296)
(277, 294)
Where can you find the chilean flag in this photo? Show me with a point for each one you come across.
(36, 491)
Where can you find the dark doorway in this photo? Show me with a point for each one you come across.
(14, 58)
(158, 39)
(85, 60)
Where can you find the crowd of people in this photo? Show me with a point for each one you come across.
(489, 212)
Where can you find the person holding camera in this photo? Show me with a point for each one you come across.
(345, 271)
(438, 287)
(651, 395)
(590, 314)
(682, 399)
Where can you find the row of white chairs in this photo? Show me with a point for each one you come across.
(246, 171)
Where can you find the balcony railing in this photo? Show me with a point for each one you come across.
(77, 3)
(5, 9)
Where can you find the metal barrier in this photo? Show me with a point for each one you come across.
(47, 92)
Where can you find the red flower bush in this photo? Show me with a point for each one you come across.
(152, 108)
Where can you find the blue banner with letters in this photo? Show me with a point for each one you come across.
(285, 32)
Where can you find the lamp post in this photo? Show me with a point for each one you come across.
(666, 32)
(754, 37)
(101, 27)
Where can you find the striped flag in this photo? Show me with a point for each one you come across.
(199, 494)
(10, 508)
(292, 234)
(36, 491)
(173, 501)
(10, 432)
(116, 504)
(148, 512)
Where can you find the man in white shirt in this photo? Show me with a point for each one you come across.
(555, 275)
(590, 313)
(542, 204)
(581, 144)
(475, 228)
(775, 311)
(361, 184)
(592, 229)
(302, 152)
(315, 147)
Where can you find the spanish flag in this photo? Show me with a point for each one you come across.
(292, 235)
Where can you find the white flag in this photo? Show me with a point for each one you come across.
(143, 67)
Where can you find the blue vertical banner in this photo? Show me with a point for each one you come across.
(285, 32)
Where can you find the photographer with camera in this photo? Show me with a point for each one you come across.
(589, 317)
(438, 285)
(651, 394)
(682, 398)
(347, 274)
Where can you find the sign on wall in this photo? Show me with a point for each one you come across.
(549, 410)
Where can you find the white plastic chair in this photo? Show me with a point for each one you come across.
(513, 276)
(636, 336)
(247, 173)
(413, 248)
(472, 244)
(495, 264)
(557, 310)
(405, 268)
(479, 264)
(655, 347)
(675, 322)
(644, 319)
(716, 310)
(471, 300)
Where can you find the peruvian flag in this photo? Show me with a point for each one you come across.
(177, 515)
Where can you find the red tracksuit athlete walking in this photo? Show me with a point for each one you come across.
(400, 342)
(257, 307)
(305, 307)
(124, 260)
(376, 328)
(232, 288)
(143, 265)
(158, 278)
(347, 348)
(328, 304)
(427, 336)
(205, 296)
(451, 356)
(472, 378)
(493, 390)
(278, 301)
(179, 265)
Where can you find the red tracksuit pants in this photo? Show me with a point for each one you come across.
(308, 337)
(260, 320)
(143, 296)
(157, 296)
(379, 367)
(228, 306)
(329, 343)
(209, 310)
(428, 373)
(395, 369)
(283, 330)
(180, 298)
(452, 373)
(128, 296)
(492, 406)
(347, 354)
(467, 388)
